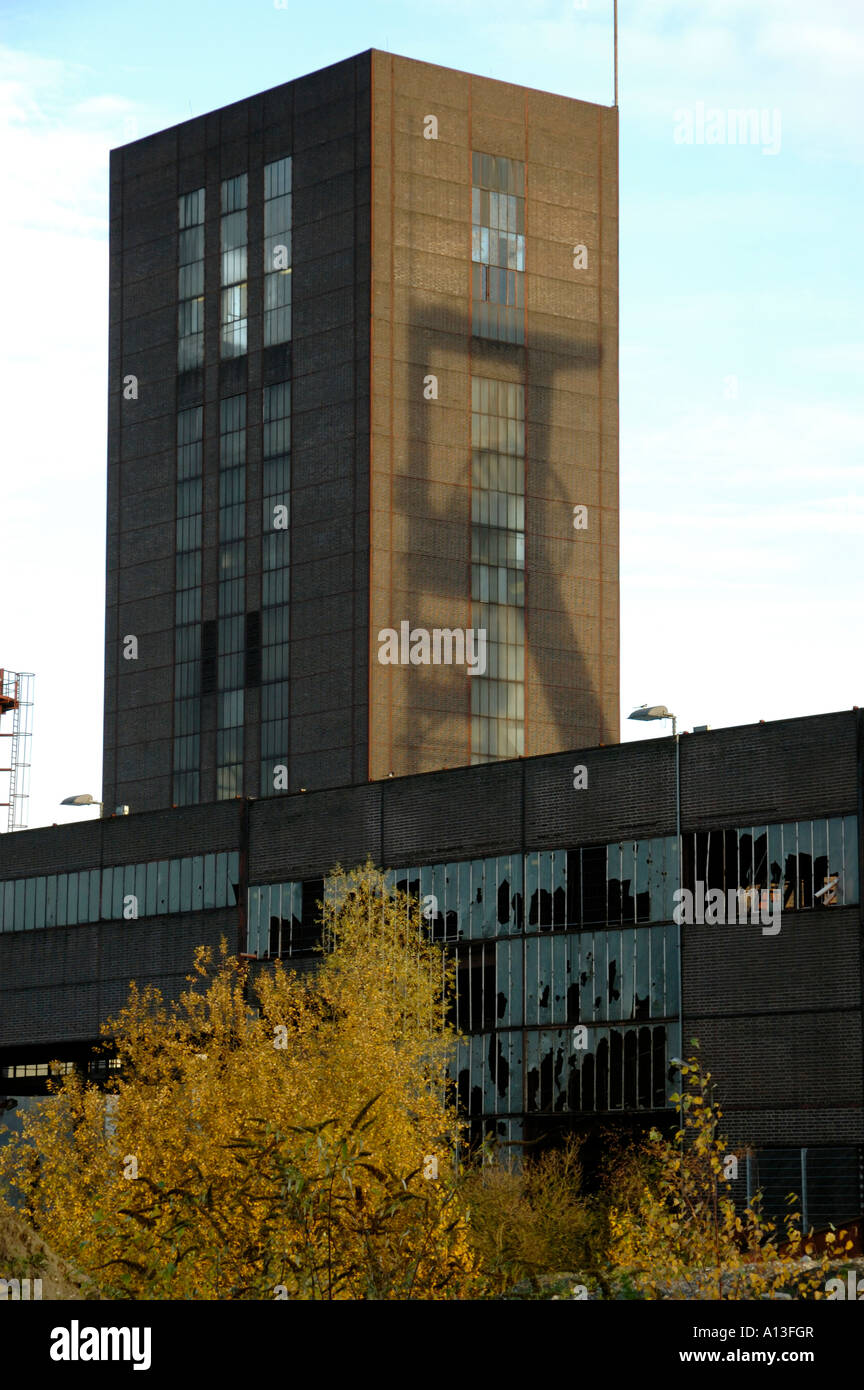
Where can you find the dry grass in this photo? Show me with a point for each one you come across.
(24, 1255)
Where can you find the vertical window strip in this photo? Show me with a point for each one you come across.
(186, 786)
(277, 251)
(283, 918)
(498, 248)
(498, 566)
(275, 555)
(231, 607)
(233, 267)
(190, 281)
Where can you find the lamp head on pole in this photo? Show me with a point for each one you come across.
(647, 712)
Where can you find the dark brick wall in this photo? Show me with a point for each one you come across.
(311, 833)
(330, 426)
(133, 839)
(799, 767)
(60, 985)
(779, 1021)
(786, 1078)
(792, 768)
(770, 772)
(323, 121)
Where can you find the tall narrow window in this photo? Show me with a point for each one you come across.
(277, 251)
(190, 281)
(498, 567)
(231, 597)
(187, 616)
(498, 248)
(233, 239)
(275, 549)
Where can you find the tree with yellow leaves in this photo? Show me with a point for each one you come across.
(675, 1231)
(282, 1136)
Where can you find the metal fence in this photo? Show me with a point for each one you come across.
(827, 1184)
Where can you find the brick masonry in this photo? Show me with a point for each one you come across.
(380, 509)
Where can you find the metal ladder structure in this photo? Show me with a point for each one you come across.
(16, 698)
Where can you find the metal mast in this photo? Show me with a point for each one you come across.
(16, 698)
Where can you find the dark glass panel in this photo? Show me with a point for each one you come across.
(594, 885)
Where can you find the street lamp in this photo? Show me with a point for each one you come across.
(649, 712)
(655, 712)
(85, 799)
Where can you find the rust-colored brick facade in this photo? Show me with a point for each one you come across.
(421, 448)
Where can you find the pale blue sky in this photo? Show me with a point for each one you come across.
(741, 306)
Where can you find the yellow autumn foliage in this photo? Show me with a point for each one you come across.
(673, 1225)
(268, 1135)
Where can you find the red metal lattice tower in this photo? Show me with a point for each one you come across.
(16, 699)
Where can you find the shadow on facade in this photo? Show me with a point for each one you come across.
(538, 365)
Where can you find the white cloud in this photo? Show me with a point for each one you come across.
(731, 53)
(103, 106)
(841, 46)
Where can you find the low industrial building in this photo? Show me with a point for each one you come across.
(554, 882)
